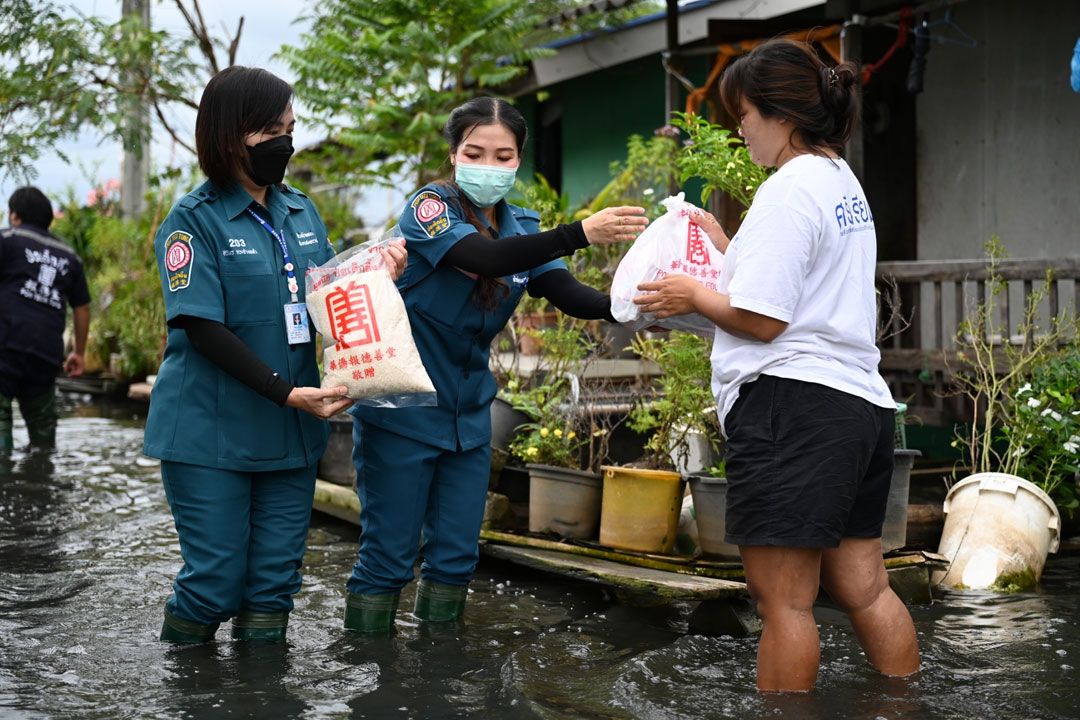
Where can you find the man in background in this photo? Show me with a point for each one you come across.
(39, 277)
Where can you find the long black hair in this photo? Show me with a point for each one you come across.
(462, 121)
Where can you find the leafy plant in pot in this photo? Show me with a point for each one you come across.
(1001, 520)
(641, 504)
(564, 498)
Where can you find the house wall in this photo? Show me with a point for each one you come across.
(998, 148)
(599, 112)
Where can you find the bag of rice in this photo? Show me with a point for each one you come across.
(671, 245)
(367, 341)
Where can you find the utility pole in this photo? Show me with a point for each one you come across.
(671, 85)
(851, 48)
(135, 167)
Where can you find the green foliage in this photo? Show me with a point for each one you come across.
(64, 73)
(383, 75)
(684, 403)
(719, 158)
(548, 396)
(127, 312)
(554, 209)
(1024, 392)
(645, 177)
(1043, 426)
(129, 315)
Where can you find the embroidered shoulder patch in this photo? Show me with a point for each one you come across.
(430, 213)
(179, 255)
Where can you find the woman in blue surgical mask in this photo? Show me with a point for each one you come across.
(422, 473)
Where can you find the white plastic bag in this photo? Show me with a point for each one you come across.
(367, 340)
(671, 245)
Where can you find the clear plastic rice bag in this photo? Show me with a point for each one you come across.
(671, 245)
(367, 340)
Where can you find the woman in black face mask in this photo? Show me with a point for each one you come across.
(237, 416)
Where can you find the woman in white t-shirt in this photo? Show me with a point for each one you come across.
(807, 416)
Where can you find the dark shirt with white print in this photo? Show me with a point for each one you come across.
(39, 277)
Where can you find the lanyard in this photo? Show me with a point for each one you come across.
(290, 271)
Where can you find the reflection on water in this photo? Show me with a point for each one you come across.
(87, 554)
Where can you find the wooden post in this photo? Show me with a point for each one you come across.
(671, 85)
(135, 167)
(851, 50)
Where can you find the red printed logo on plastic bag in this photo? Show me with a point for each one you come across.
(696, 252)
(351, 315)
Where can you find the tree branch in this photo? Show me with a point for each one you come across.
(235, 42)
(169, 129)
(199, 32)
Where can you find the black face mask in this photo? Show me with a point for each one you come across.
(268, 160)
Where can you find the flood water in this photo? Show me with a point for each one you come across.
(88, 552)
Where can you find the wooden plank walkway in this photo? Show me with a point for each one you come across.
(668, 576)
(663, 583)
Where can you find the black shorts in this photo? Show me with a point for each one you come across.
(806, 465)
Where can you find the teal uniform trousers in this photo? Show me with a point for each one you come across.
(238, 469)
(422, 473)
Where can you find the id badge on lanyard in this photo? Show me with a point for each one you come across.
(297, 327)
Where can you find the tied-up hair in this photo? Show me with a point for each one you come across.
(238, 101)
(788, 79)
(465, 118)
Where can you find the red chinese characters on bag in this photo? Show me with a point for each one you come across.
(696, 252)
(367, 341)
(671, 245)
(352, 317)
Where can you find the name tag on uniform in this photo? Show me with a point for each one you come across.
(296, 323)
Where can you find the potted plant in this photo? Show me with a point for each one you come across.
(1001, 521)
(564, 497)
(642, 502)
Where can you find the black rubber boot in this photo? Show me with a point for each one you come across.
(263, 627)
(370, 614)
(438, 602)
(180, 631)
(40, 415)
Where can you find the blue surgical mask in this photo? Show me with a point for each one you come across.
(485, 185)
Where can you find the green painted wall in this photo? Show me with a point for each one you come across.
(599, 112)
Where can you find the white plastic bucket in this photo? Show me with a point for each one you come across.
(998, 530)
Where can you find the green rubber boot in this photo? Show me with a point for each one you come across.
(263, 627)
(438, 602)
(40, 416)
(183, 632)
(7, 422)
(370, 614)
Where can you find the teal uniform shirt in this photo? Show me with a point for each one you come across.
(217, 262)
(452, 333)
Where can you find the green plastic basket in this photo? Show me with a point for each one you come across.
(901, 434)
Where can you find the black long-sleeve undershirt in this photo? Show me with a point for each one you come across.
(232, 355)
(479, 254)
(571, 296)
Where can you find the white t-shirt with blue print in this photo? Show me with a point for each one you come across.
(805, 254)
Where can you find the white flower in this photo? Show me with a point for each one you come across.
(647, 192)
(1026, 388)
(1019, 451)
(1034, 402)
(1071, 447)
(1052, 413)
